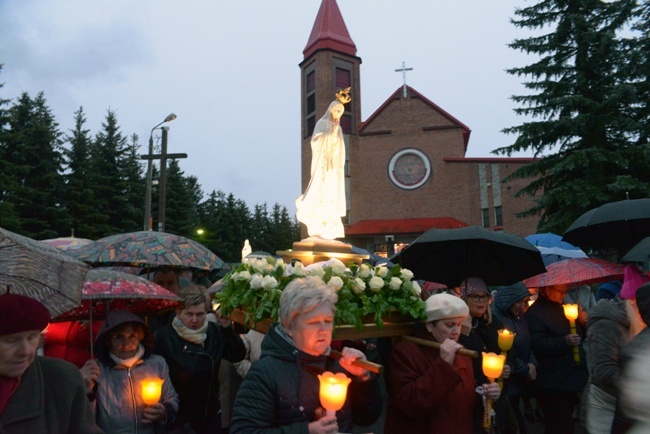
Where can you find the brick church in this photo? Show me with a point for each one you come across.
(406, 169)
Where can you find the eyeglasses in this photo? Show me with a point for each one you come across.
(477, 297)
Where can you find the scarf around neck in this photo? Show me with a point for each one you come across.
(131, 360)
(197, 336)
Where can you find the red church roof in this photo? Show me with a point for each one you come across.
(329, 32)
(403, 226)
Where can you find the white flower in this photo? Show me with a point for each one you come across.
(280, 263)
(245, 261)
(298, 269)
(338, 267)
(270, 260)
(364, 271)
(317, 272)
(416, 290)
(335, 283)
(382, 272)
(395, 283)
(376, 283)
(407, 274)
(260, 265)
(269, 282)
(256, 281)
(358, 285)
(242, 275)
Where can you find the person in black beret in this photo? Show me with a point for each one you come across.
(37, 394)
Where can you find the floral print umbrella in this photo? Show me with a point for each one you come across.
(106, 291)
(148, 248)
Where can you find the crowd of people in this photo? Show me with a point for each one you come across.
(433, 385)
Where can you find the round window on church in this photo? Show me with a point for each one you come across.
(409, 169)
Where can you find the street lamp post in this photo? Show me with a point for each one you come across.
(147, 212)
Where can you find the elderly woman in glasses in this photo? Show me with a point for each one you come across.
(482, 337)
(280, 393)
(434, 390)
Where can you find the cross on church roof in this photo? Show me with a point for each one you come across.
(403, 70)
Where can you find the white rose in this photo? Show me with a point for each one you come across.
(243, 275)
(245, 261)
(338, 267)
(382, 272)
(416, 290)
(317, 272)
(364, 271)
(269, 282)
(395, 283)
(280, 263)
(335, 283)
(259, 265)
(376, 283)
(358, 285)
(298, 269)
(256, 281)
(407, 274)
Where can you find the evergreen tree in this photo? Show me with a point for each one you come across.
(579, 101)
(181, 215)
(33, 151)
(80, 191)
(9, 218)
(134, 192)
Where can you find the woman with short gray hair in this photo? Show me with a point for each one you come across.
(281, 390)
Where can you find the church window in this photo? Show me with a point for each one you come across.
(311, 81)
(342, 78)
(498, 216)
(486, 217)
(346, 124)
(311, 124)
(311, 103)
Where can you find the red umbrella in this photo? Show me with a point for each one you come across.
(105, 291)
(576, 271)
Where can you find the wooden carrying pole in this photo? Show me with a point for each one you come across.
(432, 344)
(365, 364)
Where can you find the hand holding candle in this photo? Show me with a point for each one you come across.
(492, 368)
(151, 390)
(571, 312)
(333, 391)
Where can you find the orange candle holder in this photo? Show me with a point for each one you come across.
(506, 340)
(151, 390)
(571, 312)
(492, 368)
(333, 391)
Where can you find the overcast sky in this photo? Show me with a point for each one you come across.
(229, 70)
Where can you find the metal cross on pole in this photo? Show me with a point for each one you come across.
(403, 70)
(162, 182)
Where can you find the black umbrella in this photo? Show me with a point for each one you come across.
(617, 225)
(451, 255)
(639, 253)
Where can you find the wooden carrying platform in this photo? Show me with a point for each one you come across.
(394, 325)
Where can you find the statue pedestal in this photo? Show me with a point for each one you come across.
(316, 249)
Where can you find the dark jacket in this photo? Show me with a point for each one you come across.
(548, 329)
(521, 354)
(280, 393)
(194, 369)
(430, 396)
(51, 398)
(607, 334)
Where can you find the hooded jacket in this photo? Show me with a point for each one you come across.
(521, 353)
(118, 390)
(607, 334)
(280, 393)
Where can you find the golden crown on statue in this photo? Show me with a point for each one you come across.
(343, 95)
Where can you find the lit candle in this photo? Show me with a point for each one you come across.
(151, 390)
(492, 368)
(571, 312)
(506, 339)
(333, 390)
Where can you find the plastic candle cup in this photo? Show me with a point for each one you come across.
(506, 339)
(571, 312)
(333, 391)
(151, 390)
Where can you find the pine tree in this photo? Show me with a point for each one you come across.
(9, 218)
(132, 173)
(181, 207)
(579, 102)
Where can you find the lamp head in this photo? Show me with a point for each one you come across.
(170, 117)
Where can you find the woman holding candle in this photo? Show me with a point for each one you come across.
(280, 392)
(193, 348)
(509, 306)
(124, 361)
(482, 337)
(433, 390)
(560, 379)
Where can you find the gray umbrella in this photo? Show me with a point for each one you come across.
(639, 253)
(43, 272)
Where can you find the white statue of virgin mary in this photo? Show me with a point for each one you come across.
(323, 204)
